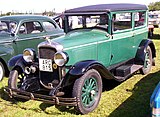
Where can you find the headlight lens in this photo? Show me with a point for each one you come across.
(61, 58)
(28, 55)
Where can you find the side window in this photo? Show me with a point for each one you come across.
(122, 21)
(48, 26)
(30, 27)
(139, 19)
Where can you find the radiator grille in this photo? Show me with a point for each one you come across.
(48, 77)
(46, 53)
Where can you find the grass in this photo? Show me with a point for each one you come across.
(127, 99)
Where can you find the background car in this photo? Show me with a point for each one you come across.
(155, 102)
(154, 19)
(20, 32)
(99, 44)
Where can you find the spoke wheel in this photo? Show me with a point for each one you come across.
(87, 89)
(148, 61)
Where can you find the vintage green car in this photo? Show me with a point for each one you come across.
(106, 41)
(20, 32)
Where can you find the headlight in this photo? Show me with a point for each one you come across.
(61, 58)
(28, 55)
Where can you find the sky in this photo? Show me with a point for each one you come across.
(57, 5)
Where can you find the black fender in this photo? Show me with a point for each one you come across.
(140, 55)
(17, 61)
(80, 68)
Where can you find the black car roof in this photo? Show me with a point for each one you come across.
(107, 8)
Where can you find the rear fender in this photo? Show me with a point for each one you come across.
(140, 55)
(82, 67)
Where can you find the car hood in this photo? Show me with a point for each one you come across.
(77, 38)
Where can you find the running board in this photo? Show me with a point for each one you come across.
(125, 71)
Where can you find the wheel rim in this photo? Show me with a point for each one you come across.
(89, 92)
(20, 80)
(147, 61)
(1, 72)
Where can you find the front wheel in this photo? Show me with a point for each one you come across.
(87, 89)
(148, 61)
(15, 79)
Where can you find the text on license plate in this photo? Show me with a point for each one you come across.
(45, 65)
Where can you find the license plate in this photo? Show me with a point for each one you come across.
(45, 65)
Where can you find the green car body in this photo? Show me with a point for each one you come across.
(13, 43)
(107, 41)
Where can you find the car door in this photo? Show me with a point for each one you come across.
(122, 44)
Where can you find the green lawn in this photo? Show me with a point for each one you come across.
(127, 99)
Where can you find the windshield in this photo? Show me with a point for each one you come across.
(87, 21)
(7, 27)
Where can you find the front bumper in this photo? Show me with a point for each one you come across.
(44, 98)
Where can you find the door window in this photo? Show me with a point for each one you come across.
(30, 27)
(122, 21)
(139, 19)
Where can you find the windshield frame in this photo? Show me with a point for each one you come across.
(83, 21)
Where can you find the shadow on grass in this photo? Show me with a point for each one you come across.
(156, 37)
(67, 109)
(5, 96)
(138, 105)
(109, 84)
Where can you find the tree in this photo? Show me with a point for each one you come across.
(154, 6)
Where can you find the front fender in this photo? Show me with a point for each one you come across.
(140, 55)
(17, 61)
(82, 67)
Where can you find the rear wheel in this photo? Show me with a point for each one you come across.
(87, 89)
(148, 61)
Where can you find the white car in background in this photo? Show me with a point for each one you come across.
(154, 19)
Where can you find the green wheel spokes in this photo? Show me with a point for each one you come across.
(89, 92)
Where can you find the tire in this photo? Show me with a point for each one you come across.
(2, 71)
(14, 82)
(148, 61)
(87, 89)
(15, 79)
